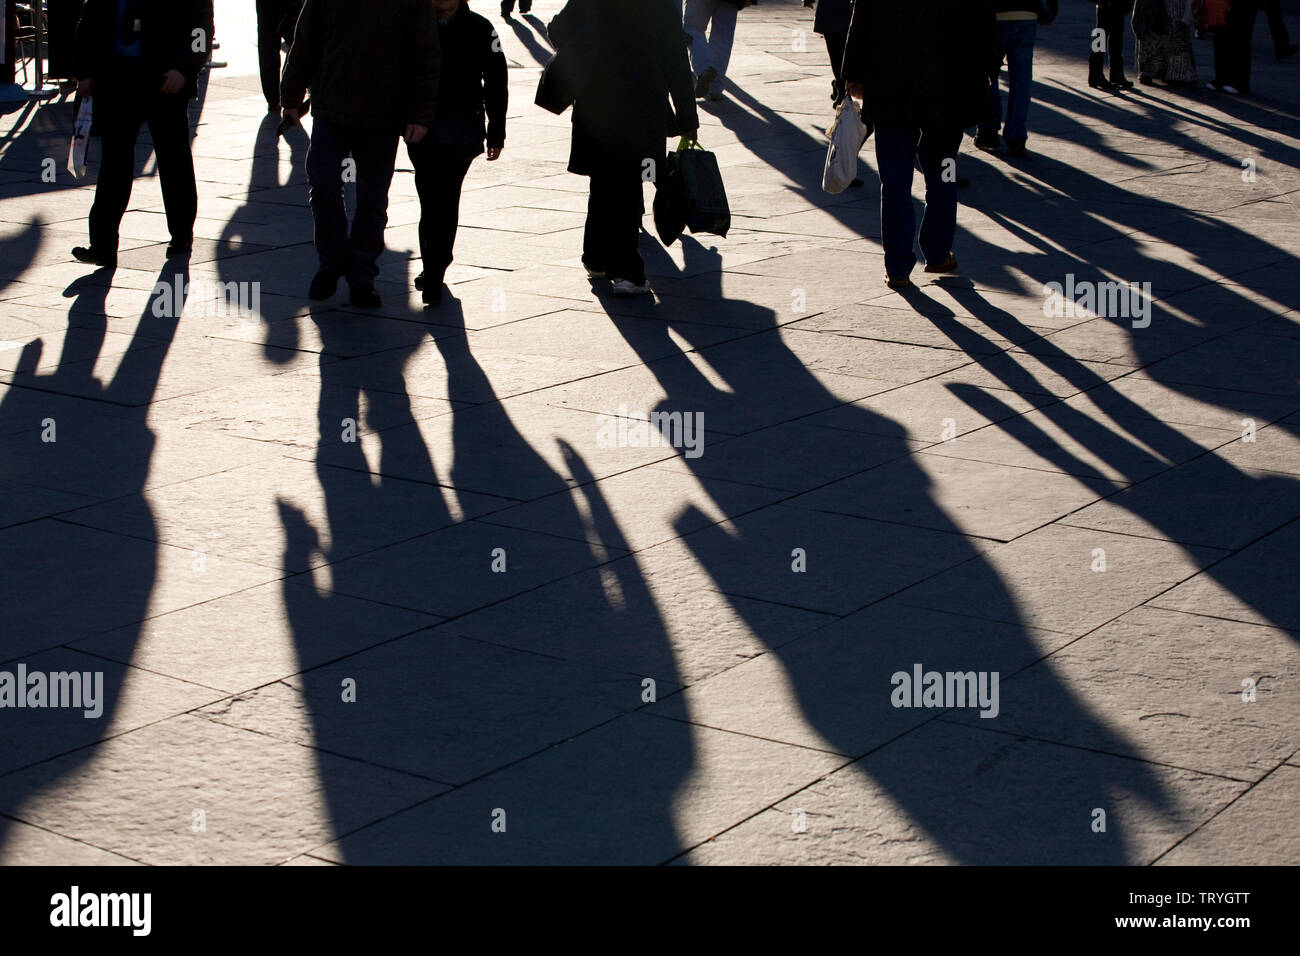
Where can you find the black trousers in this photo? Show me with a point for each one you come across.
(615, 206)
(1110, 20)
(1277, 25)
(439, 174)
(270, 15)
(119, 113)
(373, 154)
(1232, 46)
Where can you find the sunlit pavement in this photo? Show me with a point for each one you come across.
(423, 587)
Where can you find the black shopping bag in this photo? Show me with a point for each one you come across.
(690, 194)
(670, 200)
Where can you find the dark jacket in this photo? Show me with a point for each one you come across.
(832, 16)
(1045, 9)
(168, 41)
(472, 88)
(638, 60)
(922, 63)
(368, 63)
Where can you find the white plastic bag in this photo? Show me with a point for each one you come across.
(80, 138)
(847, 134)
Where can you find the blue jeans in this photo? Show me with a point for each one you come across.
(898, 150)
(1015, 42)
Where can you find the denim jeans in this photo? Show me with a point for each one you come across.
(716, 50)
(898, 150)
(1015, 42)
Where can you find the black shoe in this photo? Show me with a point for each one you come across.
(1120, 81)
(507, 8)
(704, 82)
(419, 282)
(363, 295)
(177, 249)
(322, 285)
(432, 296)
(525, 6)
(1016, 147)
(1101, 83)
(1287, 51)
(92, 257)
(986, 141)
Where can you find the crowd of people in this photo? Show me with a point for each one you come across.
(432, 73)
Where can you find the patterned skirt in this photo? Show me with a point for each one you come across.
(1168, 56)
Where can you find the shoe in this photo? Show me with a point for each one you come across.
(628, 287)
(419, 282)
(903, 283)
(177, 249)
(1218, 87)
(525, 6)
(363, 295)
(1145, 80)
(92, 257)
(432, 296)
(986, 141)
(507, 8)
(704, 82)
(1120, 81)
(1287, 51)
(322, 285)
(943, 268)
(593, 273)
(1101, 83)
(1016, 147)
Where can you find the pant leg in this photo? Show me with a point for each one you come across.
(325, 193)
(994, 120)
(939, 224)
(119, 125)
(1277, 25)
(614, 212)
(439, 175)
(269, 15)
(695, 18)
(376, 156)
(722, 35)
(1241, 21)
(1020, 77)
(169, 125)
(895, 159)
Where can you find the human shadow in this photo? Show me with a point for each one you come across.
(71, 439)
(531, 32)
(462, 707)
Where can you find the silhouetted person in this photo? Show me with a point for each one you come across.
(1282, 45)
(140, 59)
(832, 22)
(620, 120)
(373, 75)
(921, 69)
(711, 54)
(1232, 49)
(1017, 29)
(1164, 33)
(1110, 23)
(275, 23)
(471, 109)
(508, 7)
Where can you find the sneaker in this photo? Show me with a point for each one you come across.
(902, 283)
(628, 287)
(322, 285)
(1016, 147)
(704, 82)
(986, 141)
(363, 295)
(92, 257)
(1287, 51)
(942, 268)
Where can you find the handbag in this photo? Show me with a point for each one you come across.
(569, 70)
(847, 134)
(81, 138)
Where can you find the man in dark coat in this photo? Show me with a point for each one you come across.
(921, 69)
(140, 59)
(636, 58)
(472, 101)
(372, 69)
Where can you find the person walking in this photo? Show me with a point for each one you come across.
(508, 7)
(1164, 37)
(1108, 41)
(373, 76)
(471, 109)
(140, 59)
(275, 23)
(921, 69)
(1017, 29)
(1282, 45)
(711, 54)
(1232, 49)
(635, 54)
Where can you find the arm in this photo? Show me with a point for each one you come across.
(87, 45)
(426, 59)
(495, 95)
(676, 65)
(304, 57)
(198, 46)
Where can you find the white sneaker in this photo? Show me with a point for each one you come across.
(628, 287)
(1230, 89)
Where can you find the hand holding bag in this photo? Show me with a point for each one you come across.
(690, 193)
(81, 138)
(847, 135)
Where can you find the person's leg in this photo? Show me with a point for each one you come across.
(169, 125)
(325, 158)
(1277, 27)
(1020, 77)
(1244, 29)
(722, 35)
(1118, 10)
(988, 130)
(1097, 49)
(695, 18)
(451, 167)
(937, 152)
(423, 161)
(595, 233)
(376, 156)
(895, 159)
(269, 15)
(119, 125)
(622, 189)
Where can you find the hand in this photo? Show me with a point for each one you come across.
(494, 152)
(414, 133)
(691, 135)
(855, 90)
(173, 81)
(86, 88)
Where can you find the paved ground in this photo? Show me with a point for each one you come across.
(484, 615)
